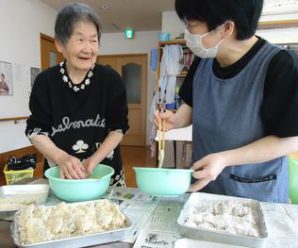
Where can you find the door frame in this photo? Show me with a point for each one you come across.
(43, 36)
(144, 87)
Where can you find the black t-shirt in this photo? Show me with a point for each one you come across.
(78, 117)
(279, 109)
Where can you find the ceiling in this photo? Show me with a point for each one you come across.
(116, 15)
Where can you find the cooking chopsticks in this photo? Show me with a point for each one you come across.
(161, 129)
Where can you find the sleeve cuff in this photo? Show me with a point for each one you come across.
(36, 131)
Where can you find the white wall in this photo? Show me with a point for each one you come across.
(20, 23)
(172, 24)
(278, 17)
(142, 43)
(280, 35)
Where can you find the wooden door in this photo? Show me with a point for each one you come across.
(133, 69)
(108, 60)
(49, 54)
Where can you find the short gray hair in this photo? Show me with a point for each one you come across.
(70, 15)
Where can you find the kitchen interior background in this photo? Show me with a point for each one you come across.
(21, 23)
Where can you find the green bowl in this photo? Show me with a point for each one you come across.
(163, 182)
(293, 180)
(74, 190)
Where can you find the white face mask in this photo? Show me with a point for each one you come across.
(194, 42)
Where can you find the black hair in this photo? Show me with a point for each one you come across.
(2, 74)
(70, 15)
(244, 13)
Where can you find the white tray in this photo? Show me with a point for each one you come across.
(15, 197)
(76, 241)
(196, 199)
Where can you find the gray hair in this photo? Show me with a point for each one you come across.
(70, 15)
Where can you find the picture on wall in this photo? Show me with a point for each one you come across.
(274, 7)
(33, 73)
(6, 85)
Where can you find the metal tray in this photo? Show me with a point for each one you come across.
(77, 241)
(37, 193)
(196, 199)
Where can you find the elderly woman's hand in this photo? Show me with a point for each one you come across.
(89, 164)
(71, 167)
(206, 170)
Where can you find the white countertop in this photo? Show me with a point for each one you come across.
(178, 134)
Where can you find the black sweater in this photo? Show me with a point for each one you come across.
(77, 118)
(279, 110)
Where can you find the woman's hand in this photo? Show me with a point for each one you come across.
(181, 118)
(207, 169)
(89, 164)
(71, 167)
(169, 119)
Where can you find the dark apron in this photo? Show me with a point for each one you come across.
(226, 115)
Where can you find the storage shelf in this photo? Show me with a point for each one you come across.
(182, 74)
(172, 42)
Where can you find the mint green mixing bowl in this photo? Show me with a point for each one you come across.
(73, 190)
(163, 182)
(293, 179)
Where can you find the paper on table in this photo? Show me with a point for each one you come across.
(161, 230)
(136, 205)
(281, 217)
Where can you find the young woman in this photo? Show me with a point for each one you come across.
(241, 95)
(79, 109)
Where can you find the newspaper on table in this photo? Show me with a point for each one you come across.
(154, 217)
(136, 205)
(282, 224)
(161, 229)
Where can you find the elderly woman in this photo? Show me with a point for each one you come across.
(241, 95)
(79, 109)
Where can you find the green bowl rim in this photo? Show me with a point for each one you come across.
(153, 169)
(81, 180)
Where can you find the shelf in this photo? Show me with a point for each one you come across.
(15, 118)
(172, 42)
(182, 74)
(180, 42)
(278, 24)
